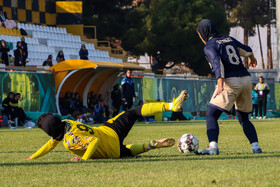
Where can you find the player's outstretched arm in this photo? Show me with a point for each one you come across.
(50, 145)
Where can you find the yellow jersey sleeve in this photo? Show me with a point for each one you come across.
(91, 148)
(50, 145)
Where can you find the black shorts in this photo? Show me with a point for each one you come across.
(122, 126)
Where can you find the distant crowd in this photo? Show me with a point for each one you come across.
(21, 54)
(121, 97)
(20, 57)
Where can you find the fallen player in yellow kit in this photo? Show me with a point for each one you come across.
(105, 141)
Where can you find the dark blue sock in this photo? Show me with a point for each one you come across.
(247, 126)
(212, 123)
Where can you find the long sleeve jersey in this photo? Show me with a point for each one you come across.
(223, 52)
(85, 141)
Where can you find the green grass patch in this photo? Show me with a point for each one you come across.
(235, 166)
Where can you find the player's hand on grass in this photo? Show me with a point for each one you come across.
(27, 158)
(76, 159)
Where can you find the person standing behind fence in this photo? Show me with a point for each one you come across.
(25, 50)
(263, 90)
(18, 53)
(255, 104)
(116, 97)
(4, 49)
(127, 91)
(83, 52)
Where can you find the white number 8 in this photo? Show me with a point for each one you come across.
(232, 56)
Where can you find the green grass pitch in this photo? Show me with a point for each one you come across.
(235, 166)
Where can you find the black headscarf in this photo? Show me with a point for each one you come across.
(53, 126)
(206, 29)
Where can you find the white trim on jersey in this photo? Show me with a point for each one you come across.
(222, 69)
(244, 53)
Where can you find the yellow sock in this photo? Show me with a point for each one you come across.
(167, 106)
(150, 109)
(137, 149)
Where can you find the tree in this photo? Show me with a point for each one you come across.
(247, 14)
(107, 16)
(169, 26)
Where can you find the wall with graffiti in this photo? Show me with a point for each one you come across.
(37, 90)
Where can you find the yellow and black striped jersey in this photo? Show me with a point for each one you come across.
(86, 142)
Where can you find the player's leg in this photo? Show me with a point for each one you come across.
(221, 103)
(260, 101)
(123, 122)
(151, 109)
(243, 105)
(264, 107)
(212, 131)
(256, 110)
(137, 149)
(249, 131)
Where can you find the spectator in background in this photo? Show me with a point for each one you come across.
(155, 62)
(48, 62)
(60, 57)
(263, 90)
(6, 108)
(6, 22)
(66, 104)
(25, 50)
(77, 105)
(255, 104)
(18, 111)
(92, 98)
(127, 91)
(18, 54)
(83, 52)
(2, 18)
(116, 97)
(99, 112)
(4, 49)
(90, 108)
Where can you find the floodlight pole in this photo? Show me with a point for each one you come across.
(278, 37)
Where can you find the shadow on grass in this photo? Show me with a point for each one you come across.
(5, 152)
(146, 159)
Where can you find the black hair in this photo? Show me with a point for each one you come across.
(40, 119)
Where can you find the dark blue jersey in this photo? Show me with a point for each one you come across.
(223, 52)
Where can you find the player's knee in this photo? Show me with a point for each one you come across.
(242, 116)
(213, 113)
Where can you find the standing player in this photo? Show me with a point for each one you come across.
(127, 91)
(105, 141)
(263, 90)
(233, 84)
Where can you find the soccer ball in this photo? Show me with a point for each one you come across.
(188, 143)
